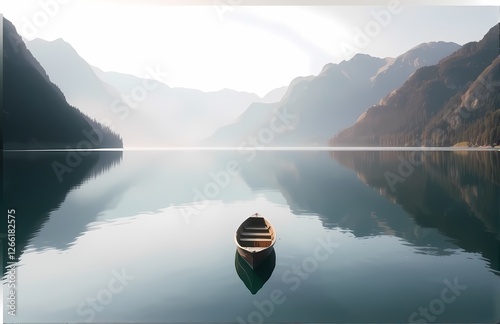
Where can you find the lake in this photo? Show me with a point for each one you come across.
(148, 236)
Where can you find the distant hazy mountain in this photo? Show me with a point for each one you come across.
(333, 100)
(275, 95)
(35, 111)
(164, 116)
(236, 133)
(453, 101)
(82, 88)
(189, 114)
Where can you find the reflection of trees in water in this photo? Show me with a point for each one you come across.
(313, 185)
(456, 193)
(32, 188)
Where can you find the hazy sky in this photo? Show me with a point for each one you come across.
(247, 48)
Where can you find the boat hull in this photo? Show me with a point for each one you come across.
(255, 258)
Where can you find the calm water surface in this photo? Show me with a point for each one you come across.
(362, 236)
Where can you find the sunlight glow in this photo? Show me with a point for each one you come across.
(241, 47)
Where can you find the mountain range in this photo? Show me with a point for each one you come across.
(453, 102)
(325, 104)
(35, 111)
(145, 111)
(435, 94)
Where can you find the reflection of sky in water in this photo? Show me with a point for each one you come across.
(179, 266)
(131, 218)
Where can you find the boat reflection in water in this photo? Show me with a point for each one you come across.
(255, 279)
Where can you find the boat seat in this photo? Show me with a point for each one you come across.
(257, 228)
(255, 239)
(255, 234)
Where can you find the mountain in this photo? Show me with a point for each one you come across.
(454, 101)
(77, 80)
(35, 111)
(145, 111)
(199, 112)
(473, 115)
(85, 90)
(236, 133)
(275, 95)
(331, 101)
(398, 70)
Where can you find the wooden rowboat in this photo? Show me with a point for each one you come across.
(255, 239)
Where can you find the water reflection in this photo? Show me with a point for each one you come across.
(388, 240)
(449, 200)
(455, 194)
(254, 279)
(33, 188)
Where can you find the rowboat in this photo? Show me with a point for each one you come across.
(255, 239)
(254, 279)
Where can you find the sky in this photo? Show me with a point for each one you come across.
(238, 46)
